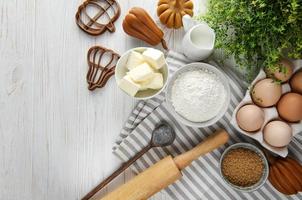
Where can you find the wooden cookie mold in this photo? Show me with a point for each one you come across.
(101, 62)
(105, 13)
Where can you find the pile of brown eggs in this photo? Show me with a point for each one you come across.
(281, 91)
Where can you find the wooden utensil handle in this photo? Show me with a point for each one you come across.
(116, 173)
(147, 183)
(212, 142)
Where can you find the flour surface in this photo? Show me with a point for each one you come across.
(198, 95)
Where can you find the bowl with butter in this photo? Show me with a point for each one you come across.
(142, 72)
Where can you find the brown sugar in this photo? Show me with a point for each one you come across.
(242, 167)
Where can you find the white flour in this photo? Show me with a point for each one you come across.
(198, 95)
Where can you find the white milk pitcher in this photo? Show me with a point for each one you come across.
(198, 42)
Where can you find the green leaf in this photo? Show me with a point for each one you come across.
(258, 32)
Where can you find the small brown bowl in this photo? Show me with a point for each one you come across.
(265, 173)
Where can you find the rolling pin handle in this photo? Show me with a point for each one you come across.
(209, 144)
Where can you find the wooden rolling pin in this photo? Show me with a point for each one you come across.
(165, 172)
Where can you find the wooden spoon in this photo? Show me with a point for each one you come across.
(285, 174)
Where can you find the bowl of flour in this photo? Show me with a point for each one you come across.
(198, 94)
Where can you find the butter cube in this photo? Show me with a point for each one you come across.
(128, 85)
(154, 57)
(134, 60)
(155, 83)
(141, 73)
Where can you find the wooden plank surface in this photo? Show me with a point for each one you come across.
(56, 137)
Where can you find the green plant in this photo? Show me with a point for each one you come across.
(257, 32)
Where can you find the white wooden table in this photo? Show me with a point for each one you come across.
(56, 137)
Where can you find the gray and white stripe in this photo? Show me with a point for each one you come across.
(201, 180)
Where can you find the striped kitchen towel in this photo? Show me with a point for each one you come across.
(201, 180)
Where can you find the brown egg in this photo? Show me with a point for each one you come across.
(277, 133)
(290, 107)
(296, 82)
(266, 92)
(250, 118)
(285, 70)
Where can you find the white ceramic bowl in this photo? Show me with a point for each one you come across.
(192, 67)
(121, 70)
(265, 174)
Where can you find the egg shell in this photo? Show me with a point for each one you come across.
(296, 82)
(266, 92)
(250, 118)
(277, 133)
(285, 70)
(290, 107)
(271, 113)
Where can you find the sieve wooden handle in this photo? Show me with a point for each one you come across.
(147, 183)
(116, 173)
(212, 142)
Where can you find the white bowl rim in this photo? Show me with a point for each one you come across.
(254, 148)
(223, 110)
(117, 79)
